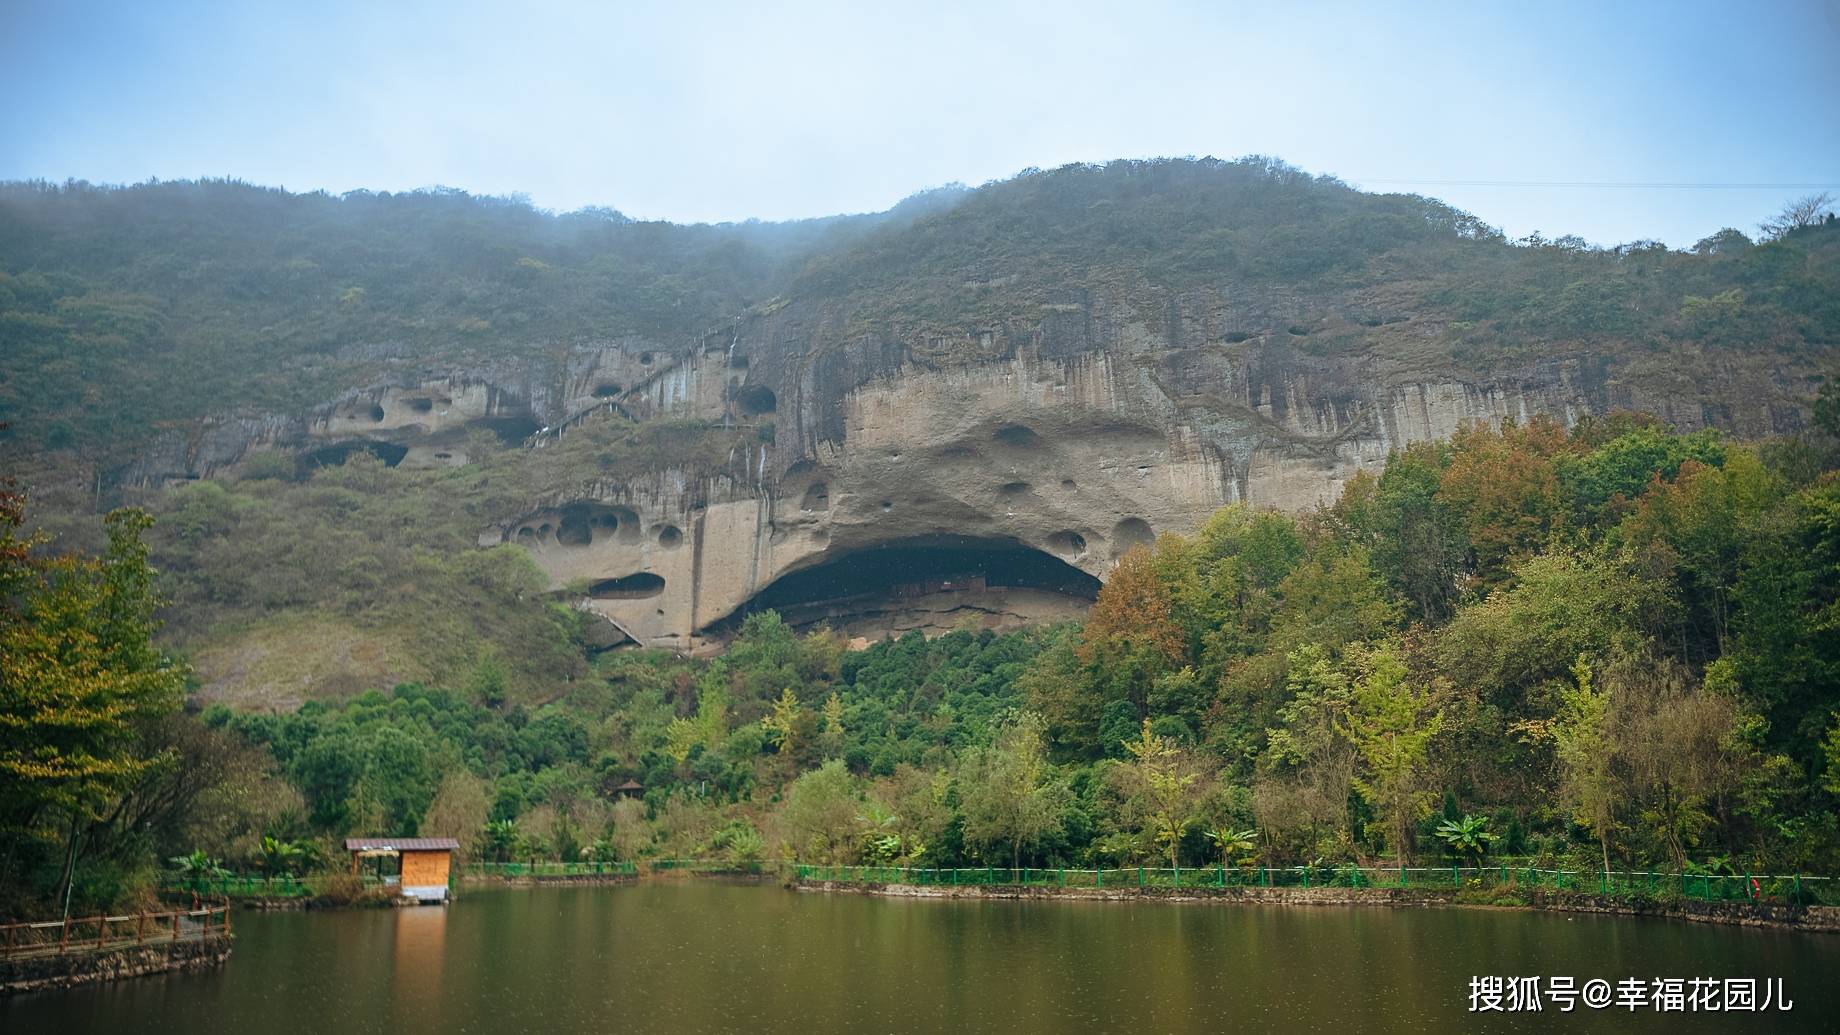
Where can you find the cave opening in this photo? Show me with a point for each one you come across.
(895, 574)
(755, 400)
(637, 586)
(333, 455)
(511, 429)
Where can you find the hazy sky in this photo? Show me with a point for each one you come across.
(716, 111)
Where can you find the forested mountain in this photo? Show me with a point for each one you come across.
(127, 310)
(1060, 521)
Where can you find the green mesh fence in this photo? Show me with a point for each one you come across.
(245, 885)
(553, 869)
(708, 866)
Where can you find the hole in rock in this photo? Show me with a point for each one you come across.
(670, 537)
(887, 505)
(511, 429)
(892, 575)
(817, 498)
(1132, 531)
(1067, 483)
(738, 362)
(645, 358)
(526, 533)
(1018, 436)
(755, 400)
(420, 404)
(637, 586)
(377, 412)
(606, 391)
(576, 527)
(332, 456)
(1013, 488)
(1299, 331)
(1236, 337)
(1067, 543)
(543, 531)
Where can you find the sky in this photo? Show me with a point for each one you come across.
(713, 111)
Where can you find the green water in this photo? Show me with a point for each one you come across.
(710, 957)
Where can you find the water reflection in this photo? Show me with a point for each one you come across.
(698, 957)
(420, 946)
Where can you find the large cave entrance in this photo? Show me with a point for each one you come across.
(336, 454)
(933, 583)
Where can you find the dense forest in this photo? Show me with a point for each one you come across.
(1613, 646)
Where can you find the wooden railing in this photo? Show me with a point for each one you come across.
(91, 933)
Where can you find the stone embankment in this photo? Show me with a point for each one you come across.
(85, 966)
(1748, 914)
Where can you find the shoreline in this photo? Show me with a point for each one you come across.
(1810, 919)
(96, 966)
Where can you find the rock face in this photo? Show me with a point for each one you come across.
(926, 477)
(995, 476)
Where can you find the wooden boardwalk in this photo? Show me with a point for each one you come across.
(33, 939)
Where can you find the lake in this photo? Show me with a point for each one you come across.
(712, 957)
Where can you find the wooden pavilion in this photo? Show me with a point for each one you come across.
(421, 864)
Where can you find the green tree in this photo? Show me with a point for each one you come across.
(1163, 780)
(1009, 793)
(1584, 743)
(820, 814)
(1391, 726)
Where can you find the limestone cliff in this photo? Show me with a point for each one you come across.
(1082, 436)
(961, 410)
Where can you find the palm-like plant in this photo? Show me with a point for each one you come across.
(1241, 843)
(276, 857)
(881, 841)
(745, 844)
(1468, 836)
(501, 839)
(1126, 846)
(601, 851)
(197, 868)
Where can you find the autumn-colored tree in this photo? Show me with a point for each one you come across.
(1131, 636)
(79, 680)
(831, 737)
(1506, 485)
(1133, 611)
